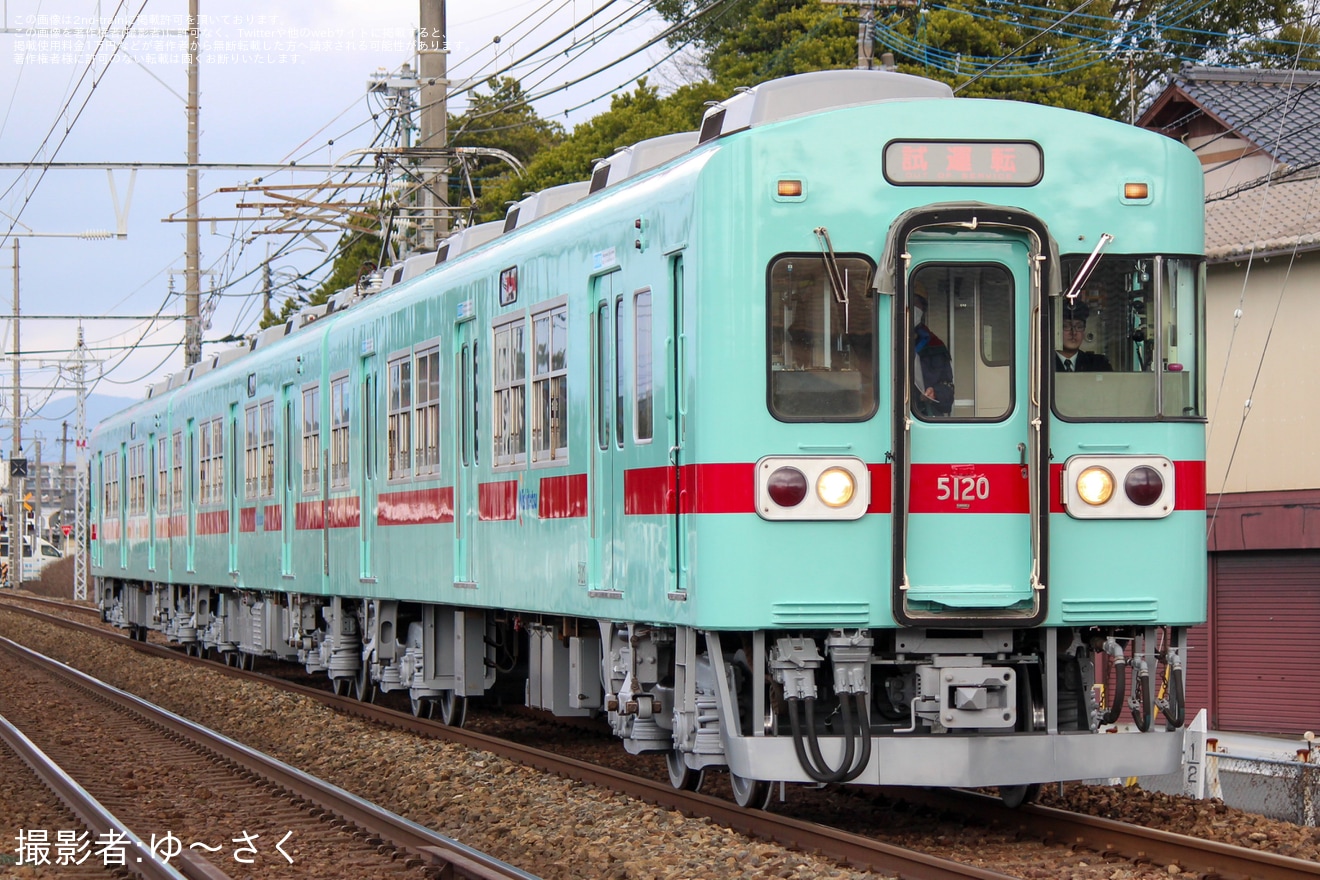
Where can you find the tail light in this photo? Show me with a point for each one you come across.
(1143, 485)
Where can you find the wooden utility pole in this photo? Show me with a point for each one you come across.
(432, 70)
(16, 526)
(192, 291)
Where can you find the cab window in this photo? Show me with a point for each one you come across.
(1130, 343)
(821, 340)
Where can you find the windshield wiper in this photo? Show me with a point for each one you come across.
(1084, 273)
(832, 268)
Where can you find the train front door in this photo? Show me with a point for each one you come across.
(969, 492)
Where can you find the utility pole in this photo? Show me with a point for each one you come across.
(64, 482)
(865, 37)
(432, 71)
(16, 526)
(80, 491)
(265, 283)
(36, 502)
(192, 346)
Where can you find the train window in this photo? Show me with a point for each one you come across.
(210, 461)
(267, 451)
(602, 377)
(162, 474)
(218, 466)
(509, 397)
(619, 403)
(251, 457)
(204, 463)
(137, 479)
(399, 439)
(821, 341)
(370, 406)
(176, 471)
(1129, 345)
(339, 399)
(464, 402)
(311, 439)
(962, 341)
(427, 400)
(550, 384)
(644, 423)
(110, 473)
(288, 441)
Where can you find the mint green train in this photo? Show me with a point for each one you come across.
(857, 437)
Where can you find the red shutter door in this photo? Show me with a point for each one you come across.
(1266, 648)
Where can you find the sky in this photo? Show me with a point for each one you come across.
(280, 81)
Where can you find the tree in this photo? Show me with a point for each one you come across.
(1100, 59)
(503, 119)
(632, 117)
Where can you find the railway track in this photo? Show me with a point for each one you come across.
(165, 777)
(1112, 840)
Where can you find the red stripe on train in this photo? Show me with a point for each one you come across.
(339, 513)
(968, 488)
(498, 501)
(1189, 485)
(416, 507)
(562, 497)
(718, 488)
(214, 522)
(273, 518)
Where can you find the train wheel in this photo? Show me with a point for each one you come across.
(752, 794)
(453, 709)
(421, 706)
(362, 685)
(681, 776)
(340, 686)
(1015, 796)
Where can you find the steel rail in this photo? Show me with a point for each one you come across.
(458, 860)
(1211, 858)
(96, 818)
(852, 849)
(1207, 857)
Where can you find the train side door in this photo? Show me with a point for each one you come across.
(291, 487)
(676, 418)
(606, 478)
(234, 494)
(367, 473)
(968, 430)
(467, 407)
(190, 495)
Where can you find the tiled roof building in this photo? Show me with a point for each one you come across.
(1257, 133)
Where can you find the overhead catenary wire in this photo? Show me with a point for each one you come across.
(1237, 318)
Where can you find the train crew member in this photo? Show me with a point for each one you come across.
(932, 365)
(1070, 358)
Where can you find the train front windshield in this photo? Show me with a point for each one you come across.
(1131, 343)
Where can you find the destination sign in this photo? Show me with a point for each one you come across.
(963, 163)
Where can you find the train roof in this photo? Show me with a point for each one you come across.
(768, 102)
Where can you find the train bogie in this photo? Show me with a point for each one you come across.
(837, 446)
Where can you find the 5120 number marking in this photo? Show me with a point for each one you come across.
(958, 488)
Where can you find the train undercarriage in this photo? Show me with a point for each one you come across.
(996, 707)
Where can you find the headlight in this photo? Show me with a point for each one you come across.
(1095, 485)
(835, 487)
